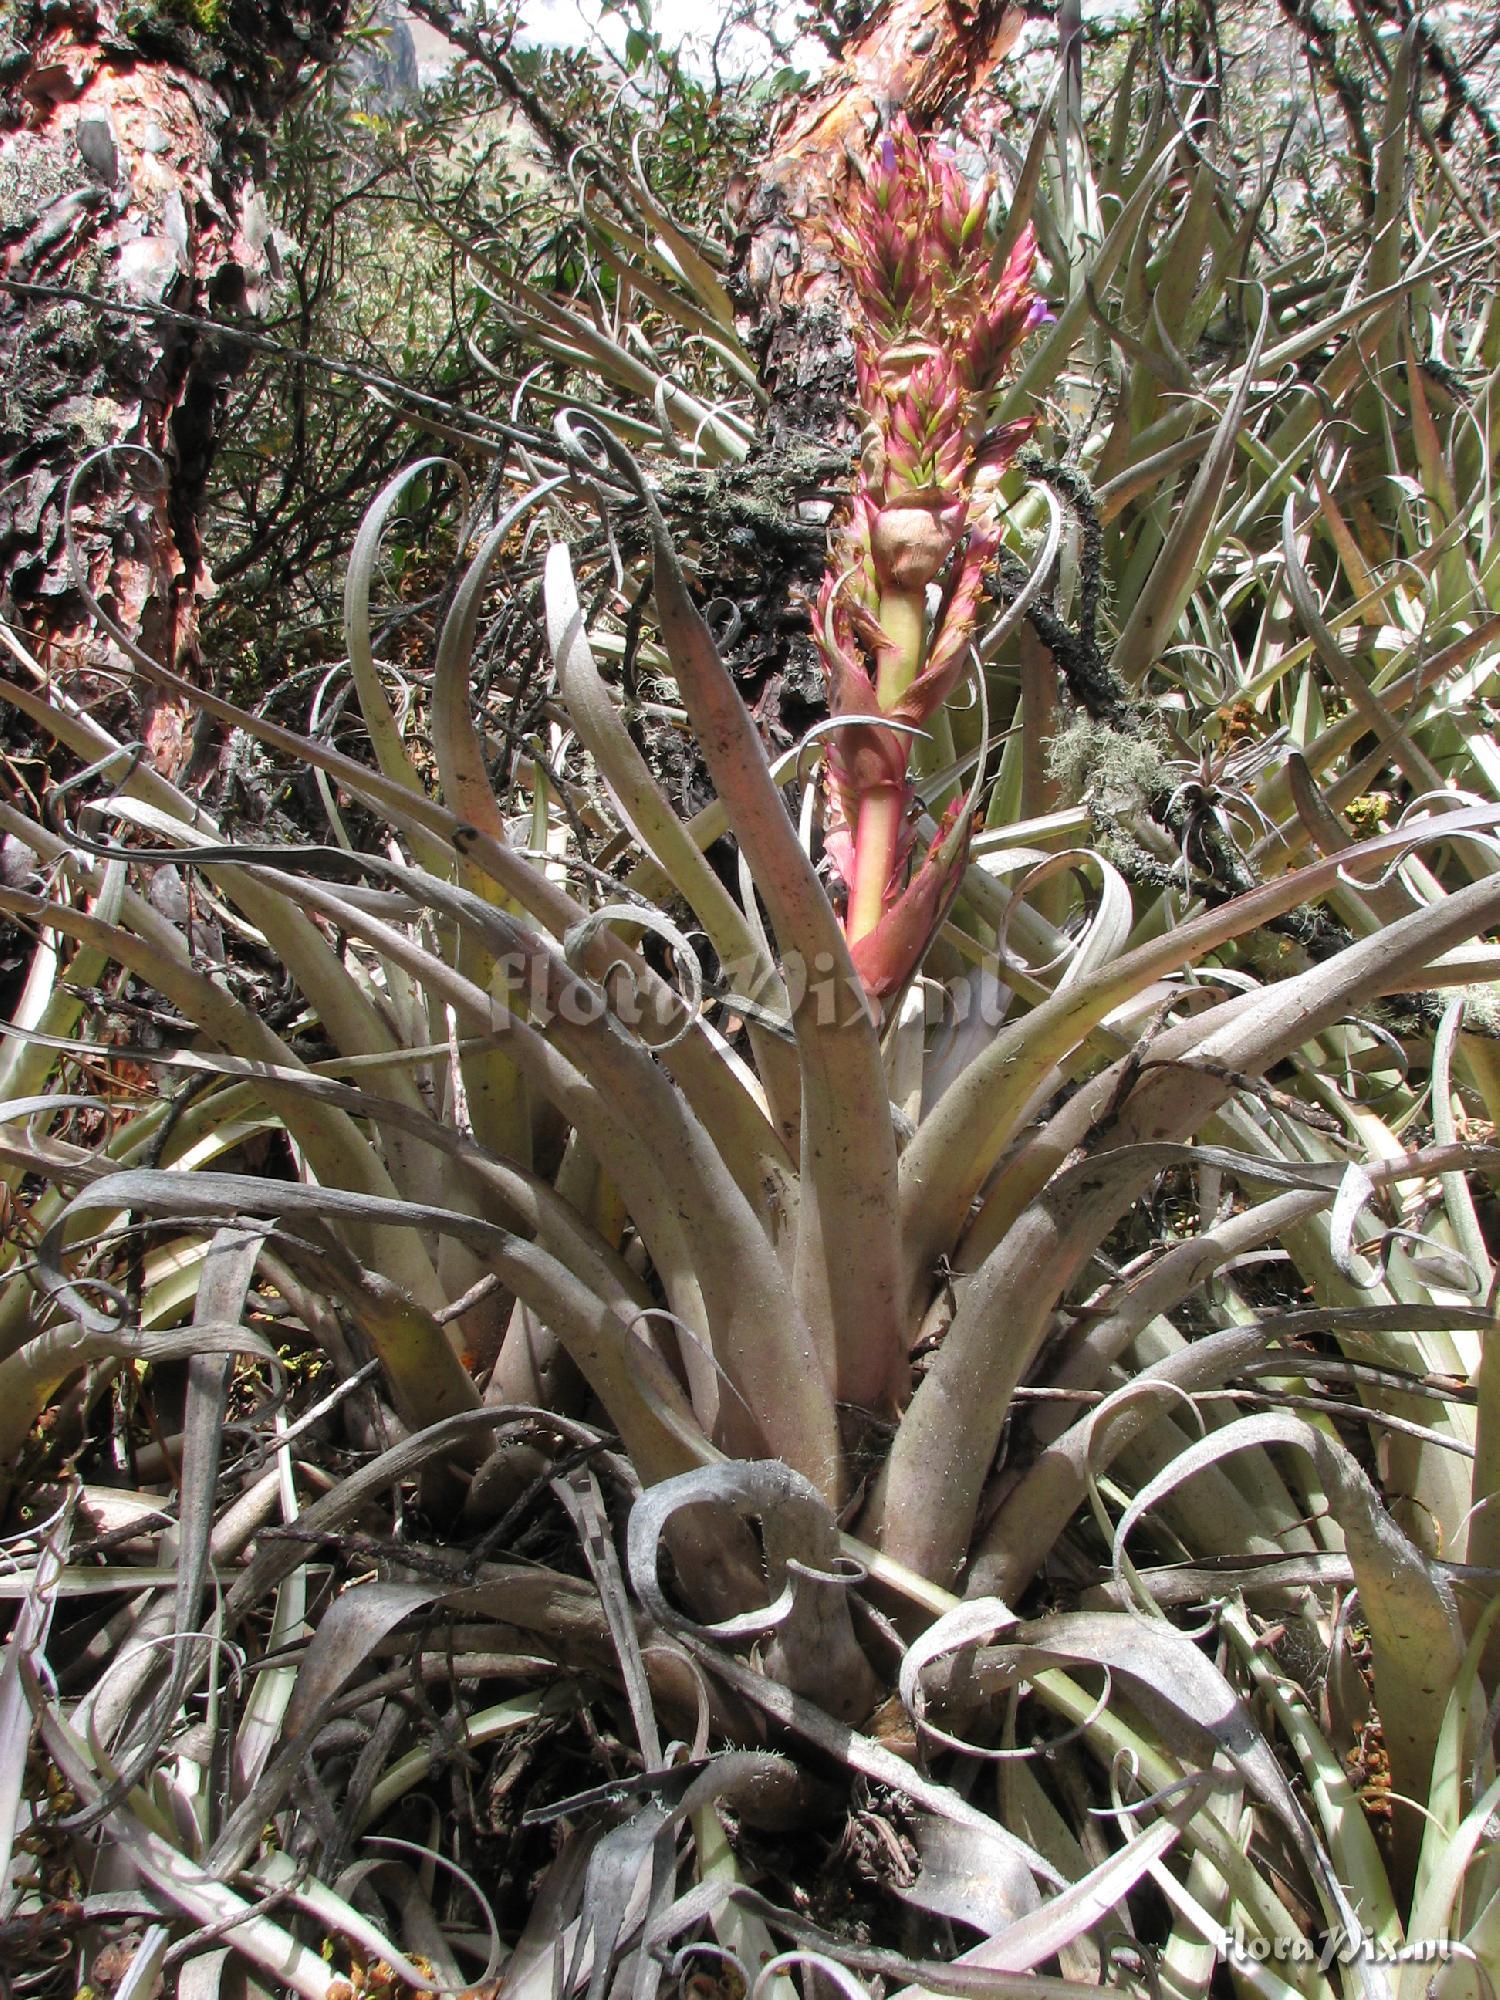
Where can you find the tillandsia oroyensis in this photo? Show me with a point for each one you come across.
(936, 322)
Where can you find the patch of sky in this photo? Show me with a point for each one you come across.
(697, 31)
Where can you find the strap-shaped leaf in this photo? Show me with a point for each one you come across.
(850, 1302)
(1416, 1639)
(947, 1439)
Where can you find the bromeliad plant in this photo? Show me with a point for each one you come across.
(939, 315)
(948, 1365)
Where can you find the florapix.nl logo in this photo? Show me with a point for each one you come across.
(1342, 1946)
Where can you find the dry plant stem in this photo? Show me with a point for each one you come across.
(946, 1441)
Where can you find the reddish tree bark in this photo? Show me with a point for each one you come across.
(131, 138)
(932, 59)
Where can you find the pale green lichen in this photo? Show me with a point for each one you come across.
(1481, 1010)
(92, 420)
(32, 176)
(1101, 767)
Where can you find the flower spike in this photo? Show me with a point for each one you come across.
(934, 332)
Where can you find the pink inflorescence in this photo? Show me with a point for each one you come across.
(935, 327)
